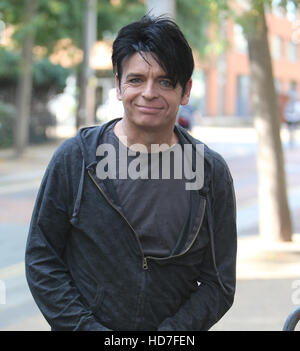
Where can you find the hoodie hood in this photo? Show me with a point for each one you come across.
(89, 139)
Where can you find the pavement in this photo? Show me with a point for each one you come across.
(268, 274)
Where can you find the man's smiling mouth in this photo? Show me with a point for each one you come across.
(149, 109)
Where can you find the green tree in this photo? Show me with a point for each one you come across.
(101, 19)
(43, 22)
(274, 214)
(24, 87)
(36, 22)
(195, 17)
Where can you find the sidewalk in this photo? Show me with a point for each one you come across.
(268, 286)
(27, 170)
(35, 157)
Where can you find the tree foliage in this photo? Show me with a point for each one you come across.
(202, 23)
(113, 15)
(57, 19)
(45, 73)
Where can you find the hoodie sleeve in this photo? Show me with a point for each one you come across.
(217, 274)
(47, 275)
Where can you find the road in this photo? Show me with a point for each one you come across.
(19, 182)
(239, 146)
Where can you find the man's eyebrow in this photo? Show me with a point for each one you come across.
(164, 77)
(130, 75)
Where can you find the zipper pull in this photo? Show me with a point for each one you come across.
(145, 263)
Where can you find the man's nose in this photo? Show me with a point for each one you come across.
(150, 91)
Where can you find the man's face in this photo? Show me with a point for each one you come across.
(150, 100)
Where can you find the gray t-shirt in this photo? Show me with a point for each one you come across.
(157, 209)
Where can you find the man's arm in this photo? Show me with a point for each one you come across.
(211, 301)
(48, 277)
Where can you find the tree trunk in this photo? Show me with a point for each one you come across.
(86, 99)
(274, 215)
(162, 7)
(24, 88)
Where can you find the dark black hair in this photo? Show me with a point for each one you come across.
(160, 36)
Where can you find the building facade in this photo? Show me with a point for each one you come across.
(226, 80)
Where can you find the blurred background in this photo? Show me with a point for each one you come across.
(56, 76)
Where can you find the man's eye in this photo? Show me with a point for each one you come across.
(166, 83)
(135, 80)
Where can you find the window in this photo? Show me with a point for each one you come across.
(239, 40)
(243, 108)
(292, 51)
(276, 47)
(293, 88)
(277, 10)
(277, 84)
(291, 11)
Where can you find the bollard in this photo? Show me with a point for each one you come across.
(292, 320)
(2, 293)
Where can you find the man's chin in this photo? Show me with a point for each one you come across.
(152, 123)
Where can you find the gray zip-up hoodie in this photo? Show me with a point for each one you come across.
(84, 263)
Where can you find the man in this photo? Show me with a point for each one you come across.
(117, 246)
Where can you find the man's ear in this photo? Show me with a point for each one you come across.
(118, 89)
(187, 92)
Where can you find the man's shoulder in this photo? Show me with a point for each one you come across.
(69, 146)
(74, 144)
(216, 157)
(210, 155)
(216, 161)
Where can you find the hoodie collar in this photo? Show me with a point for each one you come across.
(89, 138)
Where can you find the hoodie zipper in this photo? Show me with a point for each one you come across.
(187, 249)
(145, 258)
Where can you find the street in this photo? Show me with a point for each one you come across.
(19, 182)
